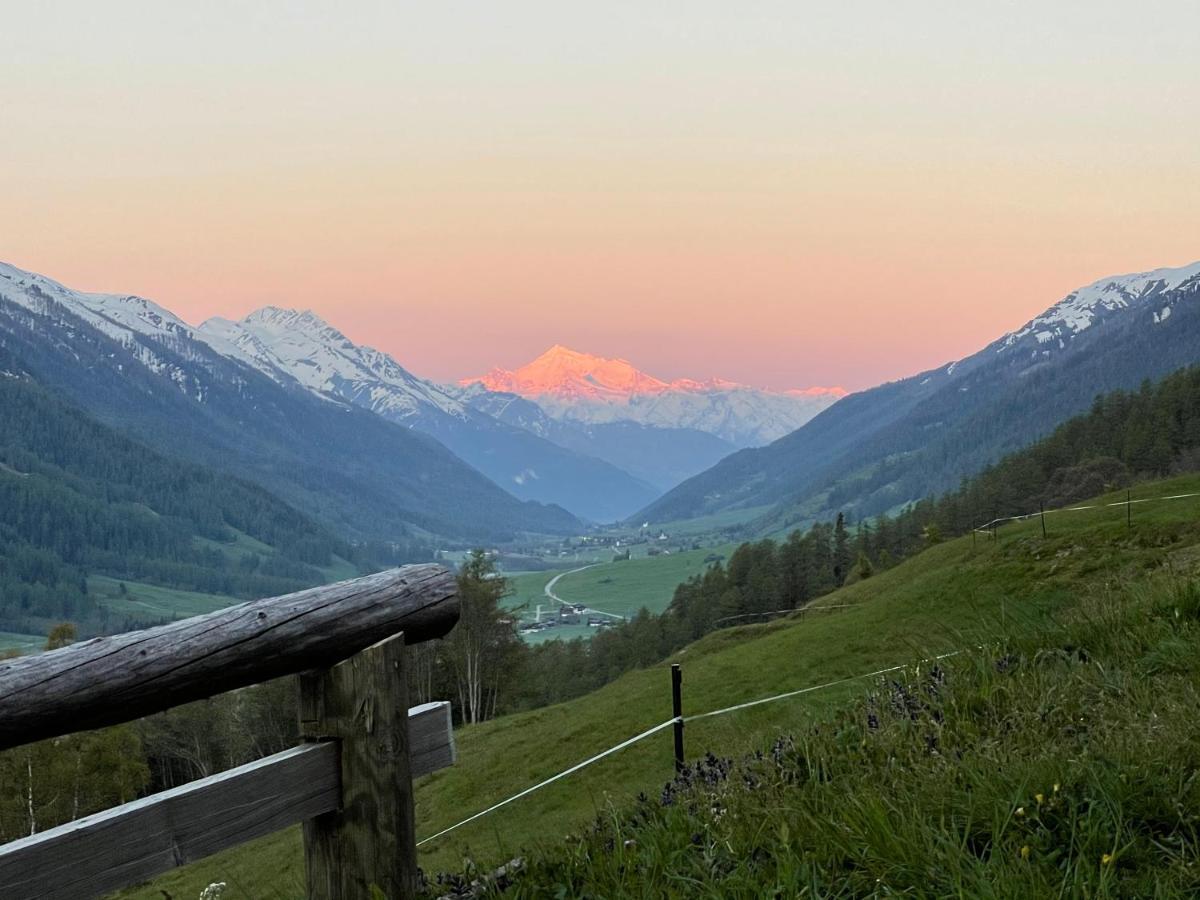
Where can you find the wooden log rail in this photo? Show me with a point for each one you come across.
(350, 783)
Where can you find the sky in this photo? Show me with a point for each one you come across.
(785, 194)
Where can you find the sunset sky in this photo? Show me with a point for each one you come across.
(785, 194)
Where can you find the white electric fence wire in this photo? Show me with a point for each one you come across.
(1033, 515)
(554, 778)
(809, 690)
(659, 727)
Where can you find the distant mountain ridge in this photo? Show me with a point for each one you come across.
(298, 348)
(137, 367)
(581, 387)
(881, 448)
(660, 455)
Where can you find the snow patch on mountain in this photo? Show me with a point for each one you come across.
(136, 323)
(1080, 309)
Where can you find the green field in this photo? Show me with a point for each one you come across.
(241, 544)
(712, 524)
(620, 588)
(148, 601)
(625, 587)
(24, 643)
(959, 594)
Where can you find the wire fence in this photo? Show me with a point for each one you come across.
(680, 720)
(1024, 517)
(676, 720)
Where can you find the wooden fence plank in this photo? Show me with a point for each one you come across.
(131, 843)
(430, 738)
(106, 681)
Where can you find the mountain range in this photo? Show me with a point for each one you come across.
(879, 449)
(299, 350)
(140, 369)
(236, 393)
(348, 436)
(579, 387)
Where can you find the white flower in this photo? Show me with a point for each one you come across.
(213, 891)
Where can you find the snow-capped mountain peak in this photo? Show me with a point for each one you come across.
(1083, 307)
(569, 374)
(299, 345)
(572, 385)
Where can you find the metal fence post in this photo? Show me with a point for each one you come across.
(677, 712)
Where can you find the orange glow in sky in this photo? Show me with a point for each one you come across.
(773, 194)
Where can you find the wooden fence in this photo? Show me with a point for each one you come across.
(349, 782)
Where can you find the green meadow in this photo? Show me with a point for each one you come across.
(1023, 591)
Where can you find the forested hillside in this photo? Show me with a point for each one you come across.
(880, 449)
(78, 499)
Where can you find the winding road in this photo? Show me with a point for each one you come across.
(549, 591)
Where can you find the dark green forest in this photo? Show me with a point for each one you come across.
(76, 498)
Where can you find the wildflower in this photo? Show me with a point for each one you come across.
(1106, 859)
(1020, 811)
(1025, 852)
(1039, 798)
(213, 891)
(1056, 787)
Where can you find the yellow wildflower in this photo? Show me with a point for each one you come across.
(1106, 859)
(1039, 798)
(1056, 787)
(1025, 852)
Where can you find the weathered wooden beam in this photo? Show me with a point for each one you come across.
(368, 847)
(110, 850)
(106, 681)
(130, 843)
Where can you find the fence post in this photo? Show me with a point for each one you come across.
(1128, 508)
(368, 846)
(677, 712)
(1042, 510)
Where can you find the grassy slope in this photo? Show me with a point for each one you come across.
(954, 595)
(25, 643)
(149, 601)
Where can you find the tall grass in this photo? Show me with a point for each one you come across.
(1062, 763)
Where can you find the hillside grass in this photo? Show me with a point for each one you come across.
(957, 595)
(1057, 763)
(22, 643)
(144, 602)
